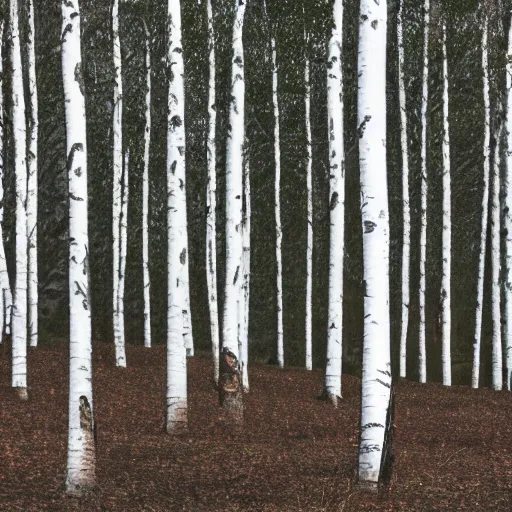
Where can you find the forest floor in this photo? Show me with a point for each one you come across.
(452, 446)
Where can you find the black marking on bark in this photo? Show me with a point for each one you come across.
(371, 425)
(385, 372)
(238, 76)
(78, 146)
(178, 50)
(369, 448)
(331, 128)
(74, 15)
(175, 121)
(374, 24)
(85, 414)
(79, 78)
(237, 197)
(75, 198)
(365, 289)
(332, 326)
(67, 28)
(334, 201)
(369, 226)
(183, 256)
(173, 166)
(181, 150)
(362, 126)
(78, 171)
(236, 274)
(383, 383)
(181, 184)
(238, 60)
(364, 17)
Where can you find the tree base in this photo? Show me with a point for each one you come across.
(329, 397)
(365, 485)
(81, 490)
(21, 393)
(230, 388)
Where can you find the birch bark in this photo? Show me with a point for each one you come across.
(376, 378)
(19, 314)
(176, 412)
(246, 283)
(211, 199)
(81, 445)
(485, 201)
(32, 190)
(406, 247)
(333, 368)
(230, 395)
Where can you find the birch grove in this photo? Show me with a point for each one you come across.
(211, 199)
(371, 119)
(81, 442)
(230, 394)
(424, 191)
(32, 184)
(176, 409)
(337, 204)
(485, 201)
(117, 164)
(19, 313)
(446, 312)
(406, 245)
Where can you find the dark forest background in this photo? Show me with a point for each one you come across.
(288, 18)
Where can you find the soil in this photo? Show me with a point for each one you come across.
(452, 446)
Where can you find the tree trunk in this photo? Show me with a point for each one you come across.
(230, 395)
(176, 417)
(81, 447)
(485, 201)
(376, 377)
(19, 321)
(333, 368)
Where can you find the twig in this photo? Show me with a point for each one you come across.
(452, 455)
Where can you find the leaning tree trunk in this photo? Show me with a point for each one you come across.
(508, 218)
(32, 180)
(309, 243)
(176, 412)
(230, 389)
(211, 200)
(376, 378)
(406, 245)
(81, 444)
(446, 314)
(19, 314)
(485, 201)
(423, 228)
(145, 195)
(337, 205)
(117, 163)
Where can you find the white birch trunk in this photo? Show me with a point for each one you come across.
(211, 200)
(277, 198)
(32, 191)
(117, 163)
(145, 197)
(406, 247)
(123, 231)
(81, 444)
(333, 368)
(19, 321)
(497, 365)
(446, 314)
(508, 219)
(485, 201)
(423, 227)
(229, 374)
(309, 243)
(376, 378)
(176, 412)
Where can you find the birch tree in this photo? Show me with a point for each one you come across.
(230, 395)
(337, 204)
(376, 377)
(508, 217)
(446, 316)
(176, 412)
(211, 199)
(485, 200)
(81, 445)
(32, 184)
(423, 226)
(406, 245)
(145, 196)
(117, 164)
(19, 314)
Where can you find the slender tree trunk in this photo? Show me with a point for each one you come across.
(230, 395)
(508, 218)
(485, 201)
(376, 378)
(211, 200)
(309, 243)
(423, 228)
(145, 196)
(337, 205)
(117, 159)
(32, 191)
(19, 321)
(446, 314)
(176, 227)
(81, 444)
(406, 244)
